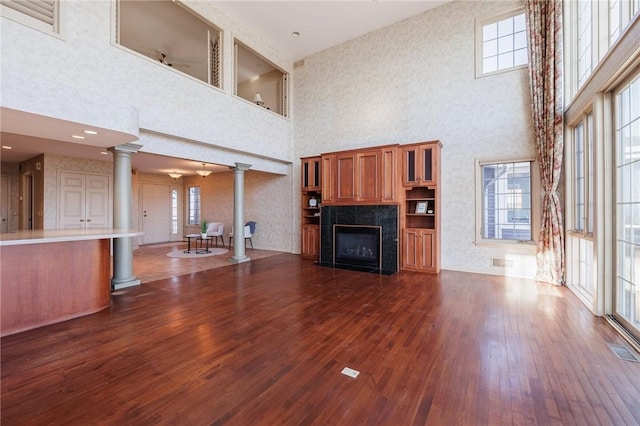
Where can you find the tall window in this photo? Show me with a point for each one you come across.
(506, 201)
(38, 14)
(193, 203)
(628, 206)
(502, 43)
(583, 176)
(584, 40)
(620, 14)
(174, 211)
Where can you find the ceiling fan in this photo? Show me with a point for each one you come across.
(162, 58)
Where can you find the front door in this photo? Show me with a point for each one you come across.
(156, 213)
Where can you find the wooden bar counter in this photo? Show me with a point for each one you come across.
(48, 276)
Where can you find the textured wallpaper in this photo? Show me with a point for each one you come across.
(415, 81)
(74, 76)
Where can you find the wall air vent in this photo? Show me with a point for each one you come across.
(500, 262)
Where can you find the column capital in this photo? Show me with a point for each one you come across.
(241, 166)
(130, 148)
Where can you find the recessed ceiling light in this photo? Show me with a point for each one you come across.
(77, 137)
(104, 153)
(90, 132)
(295, 34)
(7, 147)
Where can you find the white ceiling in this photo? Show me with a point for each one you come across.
(321, 24)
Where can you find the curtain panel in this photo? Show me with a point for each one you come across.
(544, 25)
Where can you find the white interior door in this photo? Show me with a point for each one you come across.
(72, 201)
(156, 213)
(97, 206)
(4, 204)
(84, 201)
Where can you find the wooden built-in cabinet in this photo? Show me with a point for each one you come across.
(406, 175)
(367, 176)
(311, 173)
(421, 208)
(310, 248)
(420, 164)
(357, 177)
(418, 249)
(311, 185)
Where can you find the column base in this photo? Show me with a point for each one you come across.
(239, 259)
(117, 284)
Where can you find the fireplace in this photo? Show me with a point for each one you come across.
(357, 246)
(370, 234)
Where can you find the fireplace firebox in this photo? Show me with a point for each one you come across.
(371, 234)
(357, 246)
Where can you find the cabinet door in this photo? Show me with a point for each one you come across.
(310, 242)
(311, 174)
(367, 177)
(409, 166)
(410, 249)
(388, 178)
(327, 178)
(426, 250)
(419, 165)
(346, 177)
(426, 165)
(418, 250)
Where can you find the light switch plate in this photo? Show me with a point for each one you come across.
(350, 372)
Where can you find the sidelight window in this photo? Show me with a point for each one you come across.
(193, 203)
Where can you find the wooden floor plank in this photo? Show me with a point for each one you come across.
(264, 343)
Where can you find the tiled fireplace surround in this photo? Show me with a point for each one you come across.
(385, 216)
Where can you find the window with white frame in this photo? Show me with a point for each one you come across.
(584, 40)
(501, 43)
(41, 15)
(193, 203)
(583, 176)
(174, 211)
(506, 200)
(620, 14)
(627, 305)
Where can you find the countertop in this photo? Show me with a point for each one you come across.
(60, 235)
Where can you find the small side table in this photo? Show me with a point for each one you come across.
(204, 244)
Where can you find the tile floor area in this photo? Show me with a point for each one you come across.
(151, 263)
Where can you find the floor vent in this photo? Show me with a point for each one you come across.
(623, 352)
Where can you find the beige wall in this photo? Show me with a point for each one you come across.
(415, 81)
(267, 200)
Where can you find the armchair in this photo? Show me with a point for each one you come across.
(216, 229)
(249, 230)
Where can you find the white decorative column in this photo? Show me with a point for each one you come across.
(239, 255)
(122, 247)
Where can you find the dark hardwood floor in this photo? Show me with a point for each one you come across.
(263, 343)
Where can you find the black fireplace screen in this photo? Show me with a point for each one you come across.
(357, 245)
